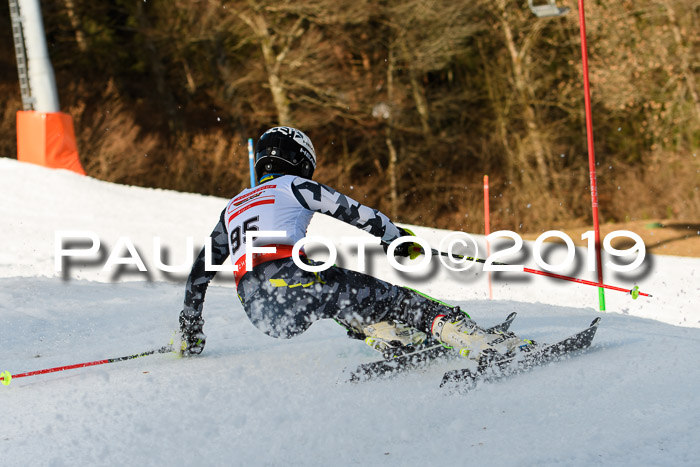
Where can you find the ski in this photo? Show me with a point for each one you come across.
(416, 358)
(504, 326)
(524, 361)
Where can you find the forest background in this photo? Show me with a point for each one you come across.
(408, 103)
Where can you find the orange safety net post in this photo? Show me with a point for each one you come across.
(48, 139)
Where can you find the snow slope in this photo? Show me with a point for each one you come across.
(250, 399)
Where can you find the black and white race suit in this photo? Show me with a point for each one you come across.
(280, 298)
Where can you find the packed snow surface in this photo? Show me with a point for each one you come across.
(249, 399)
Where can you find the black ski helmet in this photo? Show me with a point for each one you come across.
(285, 150)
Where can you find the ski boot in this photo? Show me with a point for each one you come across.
(390, 338)
(472, 342)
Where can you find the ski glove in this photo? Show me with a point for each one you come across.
(193, 339)
(406, 249)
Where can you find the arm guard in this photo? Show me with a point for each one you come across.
(317, 197)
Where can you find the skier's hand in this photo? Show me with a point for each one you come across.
(407, 249)
(193, 339)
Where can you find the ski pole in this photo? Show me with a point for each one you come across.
(633, 291)
(6, 376)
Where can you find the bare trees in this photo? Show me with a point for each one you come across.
(408, 102)
(298, 49)
(418, 38)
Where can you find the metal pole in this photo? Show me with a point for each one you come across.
(6, 376)
(591, 152)
(21, 55)
(41, 77)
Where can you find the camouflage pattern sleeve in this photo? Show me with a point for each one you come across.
(321, 198)
(199, 277)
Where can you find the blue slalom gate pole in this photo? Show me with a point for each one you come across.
(251, 162)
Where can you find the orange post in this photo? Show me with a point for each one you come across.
(47, 139)
(487, 227)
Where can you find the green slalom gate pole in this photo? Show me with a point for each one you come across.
(550, 9)
(6, 376)
(591, 152)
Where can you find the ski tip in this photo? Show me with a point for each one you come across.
(463, 378)
(595, 322)
(447, 378)
(6, 377)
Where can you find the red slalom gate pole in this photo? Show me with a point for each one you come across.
(591, 153)
(487, 227)
(6, 376)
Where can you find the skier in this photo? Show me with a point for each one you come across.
(283, 300)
